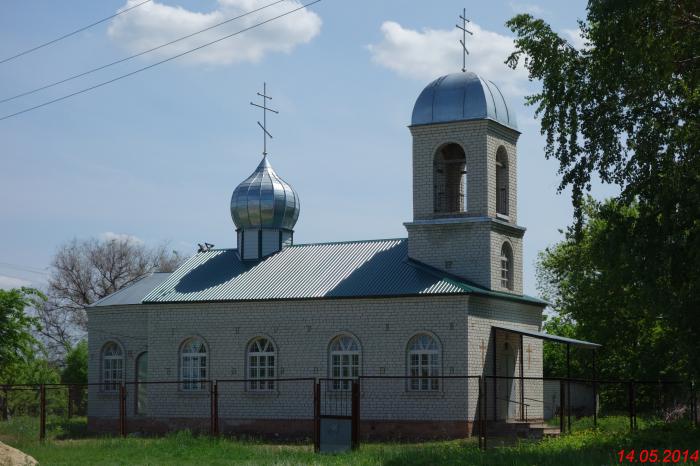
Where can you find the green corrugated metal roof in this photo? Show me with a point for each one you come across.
(323, 270)
(134, 293)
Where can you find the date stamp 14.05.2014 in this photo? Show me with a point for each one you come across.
(668, 456)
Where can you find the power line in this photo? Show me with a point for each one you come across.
(72, 33)
(104, 83)
(85, 73)
(24, 268)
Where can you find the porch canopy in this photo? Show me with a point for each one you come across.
(569, 342)
(547, 336)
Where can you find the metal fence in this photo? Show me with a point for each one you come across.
(369, 408)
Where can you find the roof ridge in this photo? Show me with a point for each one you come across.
(323, 243)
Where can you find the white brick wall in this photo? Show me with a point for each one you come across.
(471, 246)
(302, 331)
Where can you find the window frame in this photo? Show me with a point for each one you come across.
(193, 361)
(433, 365)
(353, 366)
(110, 383)
(506, 266)
(255, 382)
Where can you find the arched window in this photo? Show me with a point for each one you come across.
(193, 364)
(261, 364)
(506, 266)
(424, 362)
(112, 366)
(344, 361)
(502, 181)
(450, 179)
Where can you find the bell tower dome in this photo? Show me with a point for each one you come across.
(464, 182)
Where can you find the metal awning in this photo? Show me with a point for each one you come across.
(546, 336)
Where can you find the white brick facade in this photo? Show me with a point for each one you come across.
(301, 331)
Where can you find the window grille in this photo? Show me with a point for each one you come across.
(112, 367)
(261, 365)
(424, 363)
(193, 362)
(345, 361)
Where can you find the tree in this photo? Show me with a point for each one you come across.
(16, 329)
(76, 362)
(85, 271)
(625, 108)
(596, 286)
(76, 372)
(554, 354)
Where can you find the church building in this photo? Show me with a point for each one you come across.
(402, 315)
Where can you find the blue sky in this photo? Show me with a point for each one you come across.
(157, 155)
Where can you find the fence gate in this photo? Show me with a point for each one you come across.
(337, 415)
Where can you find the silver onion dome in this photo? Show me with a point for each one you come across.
(462, 96)
(264, 200)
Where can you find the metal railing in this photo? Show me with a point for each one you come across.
(379, 406)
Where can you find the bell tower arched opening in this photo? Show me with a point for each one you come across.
(450, 178)
(502, 191)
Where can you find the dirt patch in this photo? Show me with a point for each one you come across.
(12, 457)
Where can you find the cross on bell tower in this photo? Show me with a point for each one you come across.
(265, 109)
(463, 40)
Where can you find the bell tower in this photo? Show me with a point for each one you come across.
(465, 183)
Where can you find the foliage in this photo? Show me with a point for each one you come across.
(554, 354)
(593, 279)
(625, 108)
(76, 362)
(583, 447)
(16, 340)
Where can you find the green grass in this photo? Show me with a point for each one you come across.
(69, 444)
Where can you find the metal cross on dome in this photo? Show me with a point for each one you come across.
(463, 40)
(266, 109)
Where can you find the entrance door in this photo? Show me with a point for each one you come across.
(141, 388)
(508, 402)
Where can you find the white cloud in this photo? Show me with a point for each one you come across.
(527, 8)
(7, 283)
(155, 23)
(575, 39)
(111, 236)
(429, 53)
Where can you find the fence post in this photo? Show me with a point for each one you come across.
(216, 408)
(5, 403)
(481, 410)
(355, 414)
(211, 408)
(70, 399)
(693, 404)
(562, 404)
(595, 393)
(629, 402)
(122, 410)
(634, 406)
(317, 416)
(42, 412)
